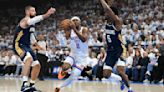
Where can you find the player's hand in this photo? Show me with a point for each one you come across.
(51, 11)
(109, 2)
(72, 25)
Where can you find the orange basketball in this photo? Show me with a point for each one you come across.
(65, 24)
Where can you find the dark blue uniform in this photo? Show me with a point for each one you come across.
(21, 43)
(114, 50)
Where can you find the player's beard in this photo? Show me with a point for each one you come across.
(31, 16)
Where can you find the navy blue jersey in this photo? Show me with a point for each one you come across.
(112, 37)
(22, 36)
(22, 42)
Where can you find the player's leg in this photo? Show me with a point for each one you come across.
(25, 72)
(111, 59)
(74, 75)
(121, 71)
(35, 72)
(109, 64)
(66, 65)
(35, 69)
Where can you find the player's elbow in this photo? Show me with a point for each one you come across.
(83, 40)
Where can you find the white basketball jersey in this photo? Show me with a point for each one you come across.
(78, 48)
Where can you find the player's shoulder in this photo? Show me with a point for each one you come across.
(85, 29)
(23, 22)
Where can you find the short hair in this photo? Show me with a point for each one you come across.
(28, 7)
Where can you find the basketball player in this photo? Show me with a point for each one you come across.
(22, 43)
(78, 37)
(116, 51)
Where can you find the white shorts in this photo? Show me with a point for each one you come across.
(76, 61)
(119, 63)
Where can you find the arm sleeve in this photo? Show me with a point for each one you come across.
(32, 38)
(35, 20)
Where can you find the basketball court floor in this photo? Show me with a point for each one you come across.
(13, 85)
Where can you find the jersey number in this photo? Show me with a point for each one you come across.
(109, 39)
(77, 44)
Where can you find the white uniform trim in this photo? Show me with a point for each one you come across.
(69, 60)
(33, 39)
(28, 55)
(34, 63)
(119, 63)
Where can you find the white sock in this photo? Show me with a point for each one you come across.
(115, 77)
(32, 81)
(74, 75)
(25, 78)
(129, 88)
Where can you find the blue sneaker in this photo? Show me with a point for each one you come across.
(130, 90)
(122, 87)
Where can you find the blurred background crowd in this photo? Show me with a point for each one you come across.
(142, 33)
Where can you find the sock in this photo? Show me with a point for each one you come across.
(32, 83)
(129, 88)
(115, 77)
(25, 78)
(74, 75)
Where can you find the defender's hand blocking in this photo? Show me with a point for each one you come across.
(109, 2)
(51, 11)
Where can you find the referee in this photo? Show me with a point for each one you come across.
(42, 57)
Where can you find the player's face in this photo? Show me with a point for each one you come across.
(32, 11)
(77, 22)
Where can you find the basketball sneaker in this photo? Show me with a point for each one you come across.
(122, 87)
(25, 87)
(130, 90)
(61, 74)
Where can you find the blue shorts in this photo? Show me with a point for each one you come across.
(26, 49)
(112, 56)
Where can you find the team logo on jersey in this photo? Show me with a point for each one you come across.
(112, 32)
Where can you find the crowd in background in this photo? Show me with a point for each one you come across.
(142, 33)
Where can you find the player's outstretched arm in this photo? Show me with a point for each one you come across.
(39, 18)
(114, 17)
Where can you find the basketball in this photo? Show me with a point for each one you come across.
(65, 24)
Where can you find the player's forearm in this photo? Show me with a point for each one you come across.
(81, 37)
(45, 16)
(104, 4)
(35, 20)
(109, 10)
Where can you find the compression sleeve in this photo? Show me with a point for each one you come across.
(35, 20)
